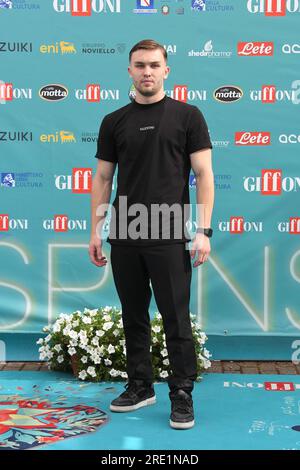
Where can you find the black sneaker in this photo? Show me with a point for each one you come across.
(136, 395)
(182, 414)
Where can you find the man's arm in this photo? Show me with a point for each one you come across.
(101, 192)
(201, 163)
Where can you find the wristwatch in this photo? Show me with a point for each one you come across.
(207, 231)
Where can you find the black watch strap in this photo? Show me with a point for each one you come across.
(207, 231)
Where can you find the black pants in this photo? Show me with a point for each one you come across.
(169, 269)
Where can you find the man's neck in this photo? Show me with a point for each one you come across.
(141, 99)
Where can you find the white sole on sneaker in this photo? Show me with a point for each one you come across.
(123, 409)
(176, 425)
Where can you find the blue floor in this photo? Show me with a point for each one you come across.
(232, 411)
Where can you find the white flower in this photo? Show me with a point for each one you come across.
(95, 341)
(75, 323)
(73, 334)
(47, 339)
(57, 348)
(100, 333)
(82, 375)
(124, 375)
(116, 332)
(155, 340)
(91, 371)
(164, 352)
(166, 362)
(47, 328)
(73, 342)
(100, 350)
(158, 316)
(107, 362)
(164, 374)
(40, 341)
(72, 351)
(111, 349)
(122, 342)
(87, 320)
(96, 359)
(50, 355)
(107, 309)
(107, 326)
(60, 359)
(106, 317)
(156, 329)
(56, 327)
(93, 312)
(82, 334)
(67, 330)
(114, 373)
(206, 353)
(83, 343)
(84, 359)
(206, 364)
(120, 323)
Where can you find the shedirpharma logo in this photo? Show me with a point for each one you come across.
(86, 7)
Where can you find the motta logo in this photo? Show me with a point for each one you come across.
(80, 182)
(273, 7)
(6, 223)
(268, 386)
(252, 138)
(292, 226)
(94, 94)
(63, 137)
(8, 93)
(86, 7)
(180, 93)
(62, 223)
(254, 49)
(238, 225)
(228, 94)
(53, 92)
(271, 183)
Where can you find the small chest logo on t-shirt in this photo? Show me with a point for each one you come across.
(147, 128)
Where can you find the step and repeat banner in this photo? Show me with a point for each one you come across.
(63, 67)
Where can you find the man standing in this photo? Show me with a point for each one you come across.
(155, 141)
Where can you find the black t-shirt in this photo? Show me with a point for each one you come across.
(151, 144)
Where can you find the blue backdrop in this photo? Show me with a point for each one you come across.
(63, 67)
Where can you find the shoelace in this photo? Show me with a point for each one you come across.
(130, 390)
(182, 405)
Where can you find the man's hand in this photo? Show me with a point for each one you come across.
(95, 252)
(201, 246)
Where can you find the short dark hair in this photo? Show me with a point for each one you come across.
(148, 44)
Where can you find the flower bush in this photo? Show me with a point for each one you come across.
(92, 345)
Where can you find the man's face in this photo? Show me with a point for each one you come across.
(148, 70)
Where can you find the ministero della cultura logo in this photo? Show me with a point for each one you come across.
(86, 7)
(6, 4)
